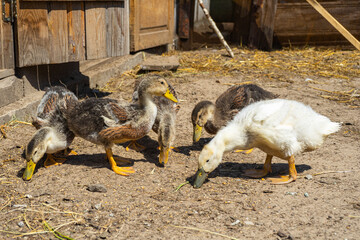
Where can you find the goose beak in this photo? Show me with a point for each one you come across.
(197, 133)
(170, 96)
(29, 170)
(201, 176)
(164, 155)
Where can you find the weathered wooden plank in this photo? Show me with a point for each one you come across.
(76, 29)
(153, 13)
(33, 34)
(116, 24)
(134, 25)
(6, 45)
(335, 23)
(242, 16)
(262, 24)
(95, 30)
(126, 27)
(184, 19)
(299, 23)
(149, 18)
(58, 32)
(152, 39)
(71, 0)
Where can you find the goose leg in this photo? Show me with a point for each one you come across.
(69, 151)
(245, 151)
(53, 160)
(58, 160)
(135, 146)
(292, 173)
(125, 171)
(258, 173)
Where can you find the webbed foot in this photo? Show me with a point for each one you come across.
(281, 180)
(125, 171)
(135, 146)
(52, 160)
(245, 151)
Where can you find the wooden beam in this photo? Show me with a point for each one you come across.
(241, 18)
(186, 24)
(262, 22)
(335, 23)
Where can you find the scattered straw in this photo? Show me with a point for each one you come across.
(204, 230)
(56, 233)
(326, 172)
(13, 122)
(181, 185)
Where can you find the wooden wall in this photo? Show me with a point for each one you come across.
(51, 32)
(6, 44)
(298, 23)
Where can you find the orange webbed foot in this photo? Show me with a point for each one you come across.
(245, 151)
(51, 160)
(135, 146)
(124, 171)
(282, 180)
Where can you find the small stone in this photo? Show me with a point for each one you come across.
(249, 223)
(291, 193)
(97, 188)
(97, 206)
(284, 235)
(306, 194)
(147, 224)
(28, 196)
(308, 80)
(111, 215)
(21, 224)
(235, 223)
(309, 177)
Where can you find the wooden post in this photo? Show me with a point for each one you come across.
(241, 16)
(186, 23)
(262, 24)
(335, 23)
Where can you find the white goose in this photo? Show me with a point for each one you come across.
(281, 128)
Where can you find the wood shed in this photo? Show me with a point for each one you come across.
(51, 32)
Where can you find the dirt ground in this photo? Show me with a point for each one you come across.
(229, 205)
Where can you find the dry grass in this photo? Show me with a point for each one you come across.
(286, 65)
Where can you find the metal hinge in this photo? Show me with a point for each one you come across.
(8, 10)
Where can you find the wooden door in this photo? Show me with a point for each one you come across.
(151, 23)
(6, 42)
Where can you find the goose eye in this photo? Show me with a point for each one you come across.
(208, 160)
(162, 82)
